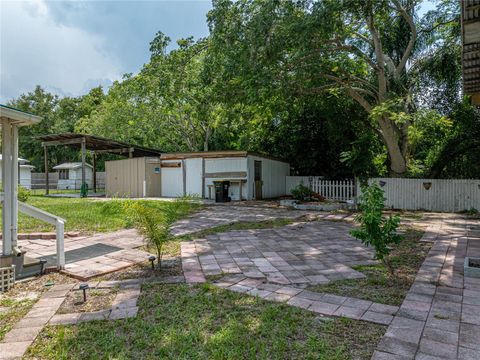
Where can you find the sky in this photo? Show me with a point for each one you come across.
(68, 47)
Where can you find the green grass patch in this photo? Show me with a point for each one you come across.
(12, 311)
(379, 286)
(85, 215)
(204, 322)
(241, 225)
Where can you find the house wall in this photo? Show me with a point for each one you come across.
(194, 173)
(172, 179)
(226, 169)
(74, 182)
(273, 177)
(125, 178)
(25, 176)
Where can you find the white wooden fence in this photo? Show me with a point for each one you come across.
(340, 190)
(447, 195)
(444, 195)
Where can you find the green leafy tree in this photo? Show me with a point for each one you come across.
(376, 230)
(366, 50)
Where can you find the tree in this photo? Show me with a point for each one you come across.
(375, 229)
(362, 48)
(167, 105)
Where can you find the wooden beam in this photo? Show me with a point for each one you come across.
(84, 154)
(116, 151)
(227, 175)
(63, 142)
(171, 164)
(94, 172)
(45, 158)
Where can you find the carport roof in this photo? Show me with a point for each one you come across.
(97, 144)
(18, 117)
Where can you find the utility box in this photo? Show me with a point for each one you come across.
(133, 178)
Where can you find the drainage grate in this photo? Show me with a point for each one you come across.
(83, 253)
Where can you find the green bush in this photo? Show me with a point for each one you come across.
(375, 229)
(23, 194)
(153, 224)
(301, 192)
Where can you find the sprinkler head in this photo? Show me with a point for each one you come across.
(152, 259)
(84, 288)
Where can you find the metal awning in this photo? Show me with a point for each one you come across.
(17, 117)
(97, 144)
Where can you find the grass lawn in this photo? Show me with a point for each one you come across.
(12, 311)
(85, 215)
(204, 322)
(379, 285)
(15, 303)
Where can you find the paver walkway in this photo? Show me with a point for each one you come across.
(218, 215)
(320, 303)
(17, 340)
(440, 316)
(86, 257)
(302, 253)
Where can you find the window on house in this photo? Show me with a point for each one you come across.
(63, 174)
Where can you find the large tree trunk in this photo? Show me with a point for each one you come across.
(398, 161)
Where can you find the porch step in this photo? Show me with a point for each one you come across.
(31, 267)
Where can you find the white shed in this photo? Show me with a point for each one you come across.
(70, 175)
(25, 174)
(251, 176)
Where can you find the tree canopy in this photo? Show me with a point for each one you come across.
(338, 88)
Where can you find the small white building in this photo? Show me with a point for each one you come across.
(25, 174)
(251, 176)
(70, 175)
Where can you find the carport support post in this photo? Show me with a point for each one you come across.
(94, 172)
(45, 156)
(84, 154)
(7, 189)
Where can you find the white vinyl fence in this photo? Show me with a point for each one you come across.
(340, 190)
(447, 195)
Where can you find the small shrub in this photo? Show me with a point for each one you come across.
(23, 194)
(301, 192)
(154, 224)
(375, 229)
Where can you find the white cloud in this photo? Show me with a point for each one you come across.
(35, 49)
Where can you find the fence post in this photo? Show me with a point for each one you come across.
(60, 244)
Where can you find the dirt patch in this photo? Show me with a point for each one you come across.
(97, 299)
(144, 270)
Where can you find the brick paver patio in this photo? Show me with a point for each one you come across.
(440, 316)
(218, 215)
(91, 256)
(302, 253)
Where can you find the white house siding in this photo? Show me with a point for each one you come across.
(25, 175)
(74, 181)
(172, 180)
(273, 177)
(193, 169)
(227, 165)
(448, 195)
